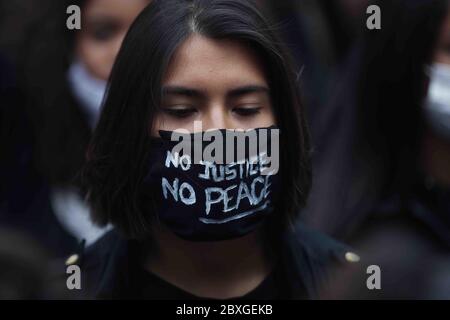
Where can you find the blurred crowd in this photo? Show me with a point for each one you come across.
(378, 106)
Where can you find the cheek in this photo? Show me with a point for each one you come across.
(265, 119)
(96, 57)
(271, 116)
(443, 57)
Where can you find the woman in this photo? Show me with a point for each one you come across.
(394, 171)
(62, 76)
(217, 63)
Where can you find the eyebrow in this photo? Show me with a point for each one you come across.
(234, 93)
(182, 91)
(242, 91)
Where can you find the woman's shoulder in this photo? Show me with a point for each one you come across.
(98, 263)
(321, 246)
(316, 259)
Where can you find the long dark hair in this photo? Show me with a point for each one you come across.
(60, 130)
(393, 85)
(372, 134)
(118, 155)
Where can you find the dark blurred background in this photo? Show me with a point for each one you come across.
(378, 104)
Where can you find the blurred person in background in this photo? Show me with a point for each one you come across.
(326, 39)
(61, 79)
(321, 35)
(25, 272)
(388, 176)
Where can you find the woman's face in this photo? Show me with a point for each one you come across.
(443, 48)
(105, 23)
(220, 83)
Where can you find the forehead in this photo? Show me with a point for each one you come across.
(204, 62)
(115, 8)
(445, 33)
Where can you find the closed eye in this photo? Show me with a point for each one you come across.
(247, 111)
(180, 112)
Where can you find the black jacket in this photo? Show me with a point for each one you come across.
(307, 257)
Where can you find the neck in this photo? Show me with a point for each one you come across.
(221, 270)
(436, 158)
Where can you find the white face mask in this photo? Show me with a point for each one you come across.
(88, 90)
(437, 105)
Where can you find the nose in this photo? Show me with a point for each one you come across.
(217, 117)
(116, 44)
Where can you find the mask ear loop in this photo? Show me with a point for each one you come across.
(428, 70)
(434, 111)
(88, 90)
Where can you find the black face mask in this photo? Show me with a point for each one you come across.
(209, 201)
